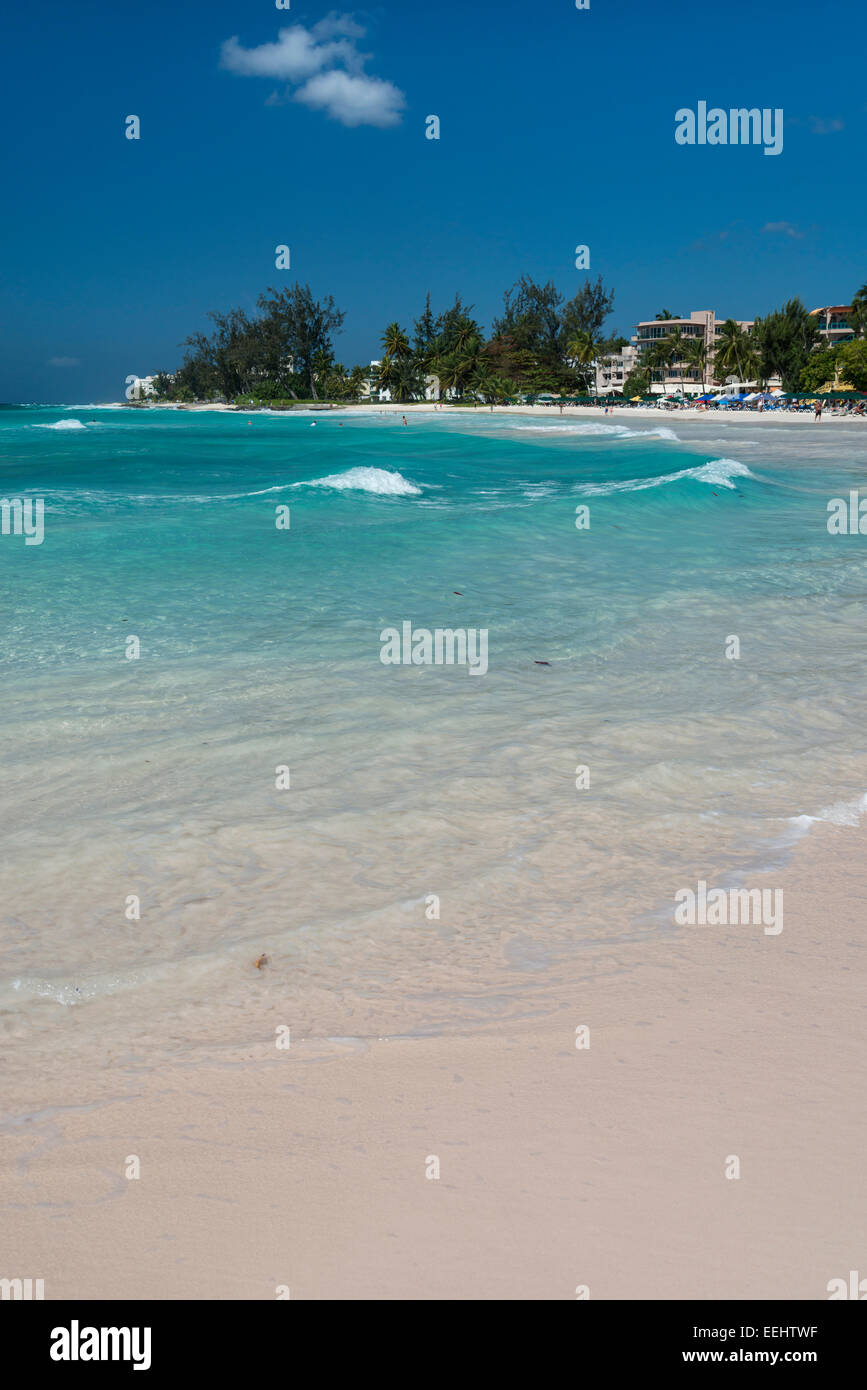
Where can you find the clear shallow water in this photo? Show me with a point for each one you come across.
(261, 647)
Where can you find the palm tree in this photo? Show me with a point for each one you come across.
(398, 371)
(394, 341)
(468, 347)
(735, 354)
(483, 383)
(655, 359)
(858, 312)
(664, 314)
(505, 389)
(388, 376)
(410, 378)
(336, 384)
(664, 353)
(696, 356)
(676, 347)
(582, 351)
(447, 369)
(464, 334)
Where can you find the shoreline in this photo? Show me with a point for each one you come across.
(571, 414)
(559, 1166)
(307, 1168)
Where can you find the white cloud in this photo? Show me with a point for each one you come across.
(784, 229)
(326, 61)
(353, 100)
(295, 56)
(63, 362)
(335, 23)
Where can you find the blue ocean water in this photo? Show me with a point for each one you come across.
(155, 778)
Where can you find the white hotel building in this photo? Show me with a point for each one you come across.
(703, 324)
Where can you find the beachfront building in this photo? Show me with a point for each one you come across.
(371, 389)
(142, 388)
(612, 371)
(680, 374)
(834, 323)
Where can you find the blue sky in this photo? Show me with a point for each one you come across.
(557, 129)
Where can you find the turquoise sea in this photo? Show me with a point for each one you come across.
(155, 778)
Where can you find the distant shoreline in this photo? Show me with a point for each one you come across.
(581, 412)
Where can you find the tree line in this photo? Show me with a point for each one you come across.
(540, 342)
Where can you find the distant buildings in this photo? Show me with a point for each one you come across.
(705, 325)
(370, 387)
(834, 323)
(702, 324)
(141, 388)
(612, 371)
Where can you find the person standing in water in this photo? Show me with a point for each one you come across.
(818, 414)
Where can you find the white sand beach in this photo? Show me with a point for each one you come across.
(585, 412)
(603, 1167)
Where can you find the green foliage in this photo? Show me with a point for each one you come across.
(588, 310)
(783, 341)
(296, 333)
(544, 344)
(858, 312)
(608, 347)
(735, 354)
(531, 318)
(637, 383)
(285, 351)
(852, 358)
(163, 386)
(821, 366)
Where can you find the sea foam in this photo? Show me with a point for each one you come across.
(378, 480)
(718, 472)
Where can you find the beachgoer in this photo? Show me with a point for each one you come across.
(818, 414)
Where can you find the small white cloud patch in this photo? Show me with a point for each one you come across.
(326, 62)
(353, 100)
